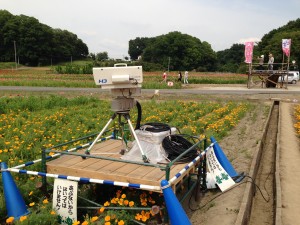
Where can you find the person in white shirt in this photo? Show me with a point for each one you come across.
(186, 76)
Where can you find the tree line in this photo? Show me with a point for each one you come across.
(38, 44)
(189, 53)
(30, 42)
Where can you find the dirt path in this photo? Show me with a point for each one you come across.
(239, 147)
(289, 168)
(222, 208)
(264, 202)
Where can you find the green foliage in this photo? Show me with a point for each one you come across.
(229, 60)
(36, 43)
(74, 69)
(102, 56)
(175, 51)
(272, 42)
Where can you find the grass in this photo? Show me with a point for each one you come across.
(47, 77)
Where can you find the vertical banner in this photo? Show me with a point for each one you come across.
(249, 51)
(221, 177)
(286, 46)
(65, 200)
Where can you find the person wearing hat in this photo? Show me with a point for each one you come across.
(261, 62)
(270, 62)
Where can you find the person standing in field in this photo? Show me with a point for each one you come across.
(186, 77)
(270, 62)
(179, 76)
(260, 62)
(164, 77)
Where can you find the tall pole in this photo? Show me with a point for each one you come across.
(15, 47)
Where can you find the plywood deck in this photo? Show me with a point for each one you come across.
(103, 169)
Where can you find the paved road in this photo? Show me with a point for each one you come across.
(203, 90)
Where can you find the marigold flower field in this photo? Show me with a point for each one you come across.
(29, 124)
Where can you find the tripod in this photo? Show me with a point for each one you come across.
(121, 106)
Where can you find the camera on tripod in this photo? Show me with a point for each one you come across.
(123, 81)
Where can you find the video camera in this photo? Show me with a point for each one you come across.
(120, 78)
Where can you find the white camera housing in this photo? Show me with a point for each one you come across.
(118, 77)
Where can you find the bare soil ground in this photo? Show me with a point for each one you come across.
(239, 146)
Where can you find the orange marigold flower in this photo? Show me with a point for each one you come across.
(126, 202)
(107, 223)
(10, 219)
(45, 201)
(85, 223)
(123, 196)
(131, 203)
(107, 218)
(101, 210)
(31, 204)
(94, 218)
(52, 212)
(76, 223)
(106, 203)
(22, 218)
(138, 216)
(121, 222)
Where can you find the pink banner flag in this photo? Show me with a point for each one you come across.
(248, 51)
(286, 46)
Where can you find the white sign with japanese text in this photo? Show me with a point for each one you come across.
(65, 200)
(221, 177)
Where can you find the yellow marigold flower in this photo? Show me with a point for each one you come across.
(52, 212)
(106, 203)
(121, 222)
(131, 203)
(85, 223)
(101, 210)
(107, 218)
(123, 196)
(94, 218)
(45, 201)
(31, 204)
(30, 193)
(120, 201)
(22, 218)
(76, 223)
(10, 219)
(144, 218)
(138, 216)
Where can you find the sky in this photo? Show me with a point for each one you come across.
(109, 25)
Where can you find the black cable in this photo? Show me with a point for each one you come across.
(156, 127)
(175, 145)
(252, 182)
(139, 116)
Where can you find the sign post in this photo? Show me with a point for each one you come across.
(65, 200)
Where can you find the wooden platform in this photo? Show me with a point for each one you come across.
(103, 169)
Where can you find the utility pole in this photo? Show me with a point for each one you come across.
(15, 47)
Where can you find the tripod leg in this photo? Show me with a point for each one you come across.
(87, 152)
(145, 159)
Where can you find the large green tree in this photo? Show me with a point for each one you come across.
(230, 60)
(36, 43)
(272, 42)
(175, 51)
